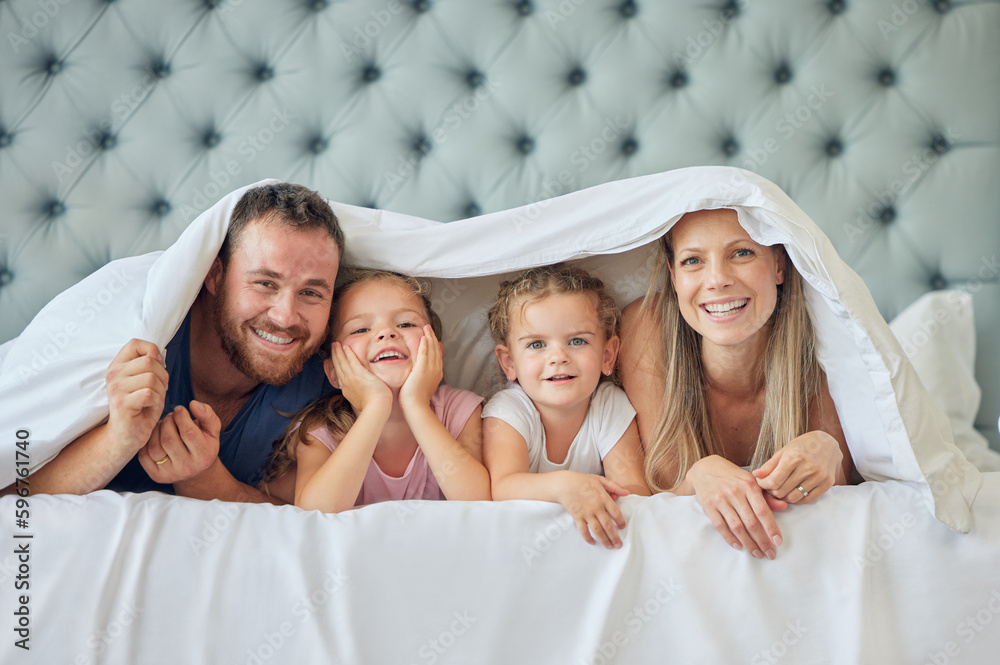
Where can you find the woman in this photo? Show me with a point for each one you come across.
(719, 361)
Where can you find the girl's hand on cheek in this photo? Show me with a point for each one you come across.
(426, 374)
(360, 387)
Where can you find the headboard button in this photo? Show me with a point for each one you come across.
(628, 9)
(211, 139)
(731, 10)
(472, 209)
(887, 215)
(371, 73)
(938, 282)
(160, 208)
(783, 74)
(834, 147)
(53, 66)
(678, 79)
(319, 5)
(422, 145)
(577, 76)
(475, 79)
(6, 138)
(836, 7)
(264, 73)
(160, 69)
(318, 145)
(55, 208)
(940, 144)
(526, 145)
(421, 6)
(525, 8)
(107, 141)
(887, 77)
(630, 146)
(730, 147)
(942, 6)
(6, 277)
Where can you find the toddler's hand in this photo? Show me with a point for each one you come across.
(426, 374)
(590, 499)
(360, 387)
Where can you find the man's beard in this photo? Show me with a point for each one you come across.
(255, 362)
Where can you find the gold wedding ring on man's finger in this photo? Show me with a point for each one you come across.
(166, 458)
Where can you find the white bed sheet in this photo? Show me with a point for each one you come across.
(866, 575)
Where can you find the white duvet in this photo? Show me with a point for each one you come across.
(867, 573)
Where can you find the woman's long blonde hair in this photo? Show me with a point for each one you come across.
(334, 412)
(791, 377)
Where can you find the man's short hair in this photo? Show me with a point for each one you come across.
(286, 203)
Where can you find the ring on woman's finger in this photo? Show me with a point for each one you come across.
(804, 493)
(166, 458)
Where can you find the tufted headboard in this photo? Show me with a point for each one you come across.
(120, 121)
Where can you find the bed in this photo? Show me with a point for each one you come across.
(120, 123)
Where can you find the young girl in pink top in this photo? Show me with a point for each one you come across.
(395, 432)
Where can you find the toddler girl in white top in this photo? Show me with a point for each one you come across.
(557, 430)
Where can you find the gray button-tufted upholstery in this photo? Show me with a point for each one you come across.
(121, 121)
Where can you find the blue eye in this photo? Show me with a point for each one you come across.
(406, 325)
(689, 261)
(536, 345)
(742, 253)
(358, 331)
(577, 341)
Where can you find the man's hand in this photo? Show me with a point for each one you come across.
(137, 388)
(180, 447)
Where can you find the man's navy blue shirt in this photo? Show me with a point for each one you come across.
(248, 440)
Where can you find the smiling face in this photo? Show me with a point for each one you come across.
(272, 302)
(726, 283)
(557, 350)
(382, 322)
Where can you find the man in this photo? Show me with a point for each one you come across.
(241, 362)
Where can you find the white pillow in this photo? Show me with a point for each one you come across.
(938, 335)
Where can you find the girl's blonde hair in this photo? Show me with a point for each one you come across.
(790, 373)
(334, 412)
(537, 284)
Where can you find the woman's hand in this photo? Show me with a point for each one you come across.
(803, 469)
(360, 386)
(736, 505)
(426, 374)
(590, 500)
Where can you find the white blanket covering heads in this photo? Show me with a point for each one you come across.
(52, 376)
